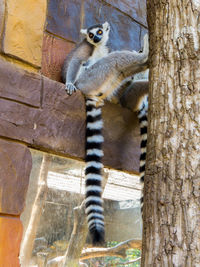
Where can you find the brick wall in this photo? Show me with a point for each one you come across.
(35, 110)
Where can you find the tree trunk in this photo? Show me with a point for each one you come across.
(171, 234)
(79, 233)
(29, 237)
(78, 237)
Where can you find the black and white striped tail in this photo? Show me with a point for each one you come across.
(93, 172)
(143, 116)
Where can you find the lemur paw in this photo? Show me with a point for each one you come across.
(70, 88)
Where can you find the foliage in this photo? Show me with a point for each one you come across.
(116, 261)
(131, 255)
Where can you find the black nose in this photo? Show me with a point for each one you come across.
(96, 39)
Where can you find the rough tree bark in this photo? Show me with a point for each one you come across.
(171, 235)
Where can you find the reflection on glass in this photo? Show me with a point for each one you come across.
(55, 230)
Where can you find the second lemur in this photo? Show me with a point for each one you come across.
(99, 82)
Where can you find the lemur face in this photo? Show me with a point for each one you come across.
(97, 34)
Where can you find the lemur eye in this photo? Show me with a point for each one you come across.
(100, 32)
(91, 35)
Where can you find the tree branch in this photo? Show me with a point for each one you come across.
(117, 251)
(78, 237)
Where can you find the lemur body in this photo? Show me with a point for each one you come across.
(104, 77)
(85, 54)
(98, 82)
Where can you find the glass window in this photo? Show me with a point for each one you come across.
(53, 221)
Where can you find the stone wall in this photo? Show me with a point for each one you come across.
(64, 21)
(35, 110)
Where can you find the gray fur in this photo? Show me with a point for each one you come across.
(74, 62)
(107, 74)
(134, 93)
(84, 55)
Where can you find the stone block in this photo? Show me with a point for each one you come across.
(122, 139)
(64, 18)
(54, 51)
(16, 163)
(135, 9)
(24, 29)
(17, 121)
(19, 85)
(124, 34)
(64, 117)
(10, 238)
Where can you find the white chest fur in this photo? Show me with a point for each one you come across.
(98, 53)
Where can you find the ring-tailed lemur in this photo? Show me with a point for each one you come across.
(91, 49)
(99, 82)
(135, 97)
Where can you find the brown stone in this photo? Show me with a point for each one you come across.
(122, 140)
(15, 162)
(10, 238)
(17, 121)
(19, 85)
(54, 51)
(60, 126)
(136, 9)
(64, 19)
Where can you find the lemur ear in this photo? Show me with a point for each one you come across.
(106, 26)
(84, 31)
